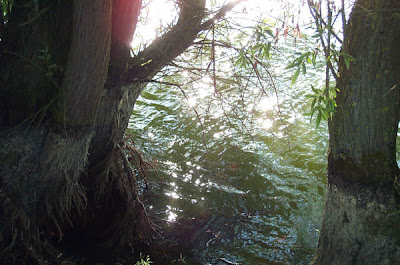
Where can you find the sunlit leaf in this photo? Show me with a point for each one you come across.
(303, 66)
(313, 103)
(295, 76)
(291, 65)
(347, 62)
(269, 32)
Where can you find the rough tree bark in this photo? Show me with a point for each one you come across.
(67, 89)
(361, 216)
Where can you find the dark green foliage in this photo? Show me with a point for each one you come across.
(323, 103)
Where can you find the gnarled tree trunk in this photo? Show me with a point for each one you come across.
(67, 89)
(362, 210)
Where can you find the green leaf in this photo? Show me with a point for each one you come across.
(149, 61)
(324, 114)
(295, 76)
(293, 64)
(347, 62)
(318, 120)
(315, 90)
(314, 58)
(313, 103)
(269, 32)
(266, 50)
(258, 46)
(330, 110)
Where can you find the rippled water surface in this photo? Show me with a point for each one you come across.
(255, 188)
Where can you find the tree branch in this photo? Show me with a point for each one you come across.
(318, 23)
(343, 19)
(124, 19)
(166, 48)
(221, 13)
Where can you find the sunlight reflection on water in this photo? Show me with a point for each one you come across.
(264, 178)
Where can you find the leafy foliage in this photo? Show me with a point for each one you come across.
(47, 59)
(144, 260)
(300, 62)
(323, 103)
(327, 36)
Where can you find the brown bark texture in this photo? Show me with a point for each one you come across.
(364, 130)
(362, 207)
(87, 65)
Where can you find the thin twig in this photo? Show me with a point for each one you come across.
(328, 50)
(213, 58)
(221, 13)
(314, 14)
(343, 20)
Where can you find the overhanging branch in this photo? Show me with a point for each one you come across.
(221, 13)
(173, 43)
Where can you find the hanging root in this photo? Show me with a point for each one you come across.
(46, 195)
(115, 214)
(136, 159)
(135, 224)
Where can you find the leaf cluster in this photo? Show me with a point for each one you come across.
(259, 47)
(323, 103)
(144, 260)
(5, 10)
(45, 56)
(308, 57)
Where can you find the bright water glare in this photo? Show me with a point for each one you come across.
(247, 191)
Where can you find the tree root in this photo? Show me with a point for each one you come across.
(37, 229)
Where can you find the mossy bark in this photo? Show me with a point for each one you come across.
(362, 201)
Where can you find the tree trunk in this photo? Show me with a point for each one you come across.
(42, 160)
(67, 89)
(87, 65)
(361, 216)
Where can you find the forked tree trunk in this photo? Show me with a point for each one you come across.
(362, 210)
(63, 113)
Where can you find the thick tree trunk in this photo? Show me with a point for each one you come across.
(87, 65)
(125, 85)
(62, 171)
(43, 160)
(362, 207)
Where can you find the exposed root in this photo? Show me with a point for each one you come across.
(45, 193)
(40, 190)
(136, 159)
(134, 224)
